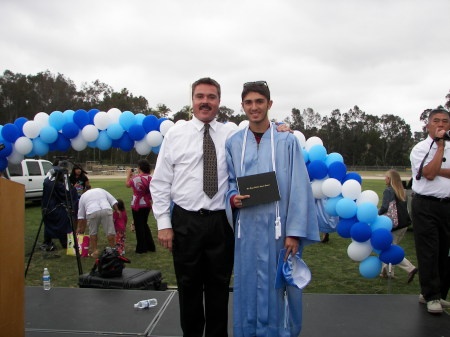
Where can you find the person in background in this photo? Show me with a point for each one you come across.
(395, 191)
(430, 165)
(120, 225)
(263, 230)
(141, 205)
(78, 178)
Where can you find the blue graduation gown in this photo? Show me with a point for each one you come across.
(259, 308)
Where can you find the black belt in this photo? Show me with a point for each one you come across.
(429, 197)
(202, 211)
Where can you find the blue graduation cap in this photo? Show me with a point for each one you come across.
(293, 272)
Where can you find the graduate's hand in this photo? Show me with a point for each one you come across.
(238, 200)
(165, 238)
(291, 245)
(283, 128)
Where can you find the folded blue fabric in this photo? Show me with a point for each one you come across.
(293, 272)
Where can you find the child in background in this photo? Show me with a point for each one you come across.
(120, 224)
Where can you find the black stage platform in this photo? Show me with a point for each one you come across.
(73, 312)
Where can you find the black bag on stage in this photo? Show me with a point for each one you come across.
(109, 264)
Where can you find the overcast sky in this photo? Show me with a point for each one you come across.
(386, 56)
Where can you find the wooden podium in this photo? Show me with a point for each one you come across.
(12, 245)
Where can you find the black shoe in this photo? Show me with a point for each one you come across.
(326, 238)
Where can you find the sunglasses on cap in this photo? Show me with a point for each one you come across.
(256, 83)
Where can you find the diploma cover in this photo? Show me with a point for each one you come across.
(262, 188)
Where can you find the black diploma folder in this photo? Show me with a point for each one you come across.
(262, 188)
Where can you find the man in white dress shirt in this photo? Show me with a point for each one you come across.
(197, 232)
(430, 163)
(95, 208)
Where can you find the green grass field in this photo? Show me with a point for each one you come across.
(332, 270)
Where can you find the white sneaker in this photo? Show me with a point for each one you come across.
(444, 303)
(434, 307)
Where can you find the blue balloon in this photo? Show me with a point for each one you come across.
(140, 118)
(48, 134)
(62, 143)
(115, 143)
(156, 149)
(3, 164)
(305, 156)
(344, 226)
(332, 157)
(68, 116)
(394, 254)
(103, 141)
(92, 145)
(40, 148)
(382, 221)
(330, 205)
(1, 127)
(57, 120)
(353, 175)
(115, 131)
(360, 232)
(7, 150)
(19, 122)
(126, 143)
(81, 118)
(92, 114)
(317, 152)
(150, 123)
(10, 132)
(136, 132)
(370, 267)
(346, 208)
(381, 239)
(70, 130)
(317, 169)
(337, 170)
(127, 119)
(367, 212)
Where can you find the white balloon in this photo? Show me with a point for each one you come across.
(180, 121)
(351, 189)
(114, 115)
(90, 133)
(331, 187)
(41, 118)
(165, 126)
(23, 145)
(78, 143)
(154, 138)
(359, 251)
(312, 141)
(316, 187)
(15, 157)
(368, 196)
(31, 129)
(102, 120)
(232, 126)
(142, 147)
(243, 124)
(301, 138)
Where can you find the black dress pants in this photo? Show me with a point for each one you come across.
(203, 250)
(431, 221)
(144, 239)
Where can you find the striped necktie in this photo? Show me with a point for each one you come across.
(209, 164)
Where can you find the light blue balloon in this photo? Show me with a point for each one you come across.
(305, 155)
(330, 205)
(1, 127)
(382, 221)
(317, 152)
(332, 157)
(367, 212)
(127, 119)
(156, 149)
(68, 116)
(370, 267)
(103, 141)
(48, 134)
(140, 118)
(57, 120)
(40, 148)
(346, 208)
(115, 131)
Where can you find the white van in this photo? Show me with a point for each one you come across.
(31, 173)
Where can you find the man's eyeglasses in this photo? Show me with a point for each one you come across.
(257, 83)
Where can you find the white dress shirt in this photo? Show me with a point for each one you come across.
(94, 200)
(178, 175)
(439, 187)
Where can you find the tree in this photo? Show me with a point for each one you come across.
(185, 113)
(93, 94)
(124, 101)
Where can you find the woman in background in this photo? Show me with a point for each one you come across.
(78, 179)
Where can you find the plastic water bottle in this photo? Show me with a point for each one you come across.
(152, 302)
(46, 279)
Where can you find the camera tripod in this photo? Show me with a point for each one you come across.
(59, 176)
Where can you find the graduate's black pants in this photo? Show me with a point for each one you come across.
(431, 221)
(203, 249)
(144, 239)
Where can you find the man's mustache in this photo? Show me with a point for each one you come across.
(205, 106)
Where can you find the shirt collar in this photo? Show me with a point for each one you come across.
(199, 124)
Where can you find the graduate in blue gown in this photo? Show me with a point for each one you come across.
(258, 307)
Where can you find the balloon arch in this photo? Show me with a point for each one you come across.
(341, 190)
